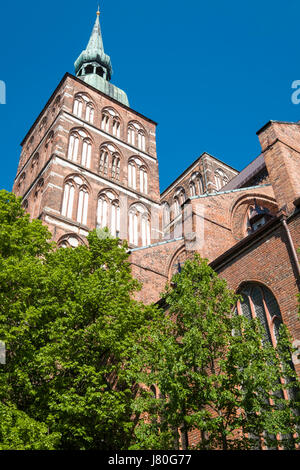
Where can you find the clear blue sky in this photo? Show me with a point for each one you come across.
(210, 73)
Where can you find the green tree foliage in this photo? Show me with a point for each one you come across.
(215, 372)
(70, 324)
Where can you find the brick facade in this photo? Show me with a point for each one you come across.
(207, 209)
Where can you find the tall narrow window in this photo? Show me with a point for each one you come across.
(104, 162)
(192, 189)
(116, 128)
(86, 153)
(259, 302)
(115, 169)
(139, 225)
(143, 180)
(141, 141)
(108, 212)
(89, 113)
(77, 109)
(131, 135)
(82, 210)
(73, 147)
(132, 175)
(220, 179)
(68, 200)
(105, 123)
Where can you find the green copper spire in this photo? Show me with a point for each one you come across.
(94, 67)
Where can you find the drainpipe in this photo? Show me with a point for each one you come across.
(293, 253)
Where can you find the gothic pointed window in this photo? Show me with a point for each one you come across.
(259, 302)
(86, 153)
(105, 122)
(82, 210)
(116, 127)
(136, 135)
(139, 225)
(131, 135)
(103, 162)
(108, 212)
(115, 169)
(73, 147)
(220, 179)
(143, 180)
(132, 175)
(197, 182)
(75, 199)
(192, 189)
(68, 200)
(77, 107)
(89, 113)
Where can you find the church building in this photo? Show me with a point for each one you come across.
(90, 161)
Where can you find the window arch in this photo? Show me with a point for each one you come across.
(139, 225)
(75, 199)
(69, 241)
(196, 184)
(220, 178)
(136, 135)
(111, 122)
(110, 155)
(115, 168)
(259, 302)
(80, 143)
(84, 106)
(35, 162)
(36, 198)
(108, 212)
(179, 199)
(136, 167)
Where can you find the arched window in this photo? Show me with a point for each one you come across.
(109, 155)
(83, 106)
(69, 241)
(68, 200)
(141, 140)
(220, 178)
(89, 113)
(259, 302)
(78, 106)
(115, 168)
(116, 128)
(137, 167)
(73, 147)
(86, 153)
(108, 212)
(35, 161)
(83, 201)
(179, 199)
(103, 162)
(132, 174)
(166, 216)
(136, 135)
(21, 181)
(192, 189)
(257, 216)
(105, 122)
(143, 180)
(131, 135)
(75, 197)
(196, 184)
(111, 122)
(80, 143)
(139, 225)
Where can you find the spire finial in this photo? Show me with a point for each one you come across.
(98, 11)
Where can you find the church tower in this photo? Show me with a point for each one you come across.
(89, 160)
